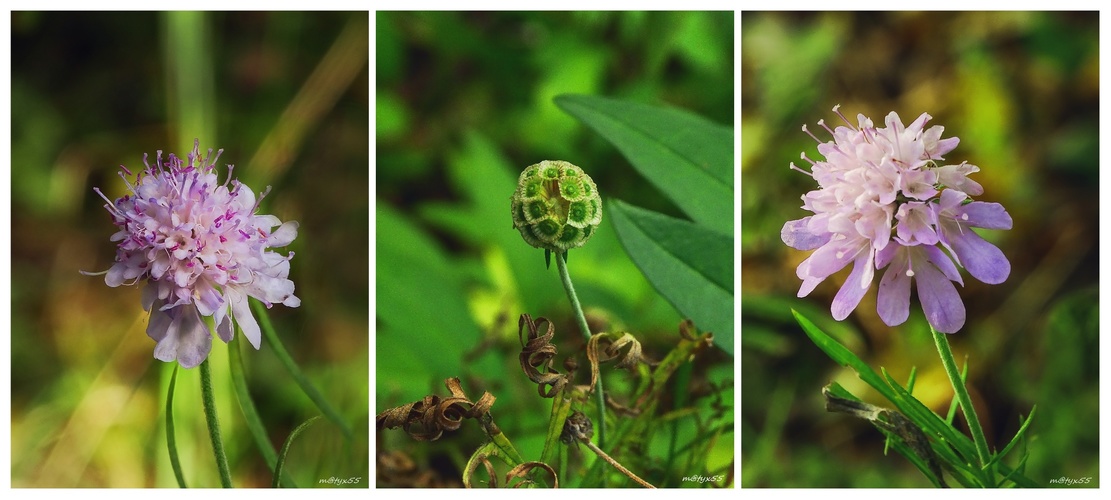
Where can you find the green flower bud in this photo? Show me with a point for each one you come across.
(556, 206)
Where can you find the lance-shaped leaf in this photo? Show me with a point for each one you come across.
(688, 158)
(691, 266)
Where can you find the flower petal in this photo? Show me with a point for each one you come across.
(983, 260)
(243, 316)
(893, 298)
(985, 215)
(284, 235)
(187, 339)
(224, 329)
(940, 300)
(159, 322)
(944, 263)
(796, 235)
(857, 284)
(833, 257)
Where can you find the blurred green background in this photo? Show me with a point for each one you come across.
(463, 104)
(285, 95)
(1021, 90)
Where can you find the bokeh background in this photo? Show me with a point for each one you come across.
(286, 96)
(463, 104)
(1021, 90)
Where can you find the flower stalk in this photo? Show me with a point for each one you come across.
(599, 394)
(950, 364)
(214, 425)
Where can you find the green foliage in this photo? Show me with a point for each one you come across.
(945, 439)
(688, 158)
(690, 265)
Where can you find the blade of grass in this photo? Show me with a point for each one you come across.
(171, 439)
(250, 414)
(285, 449)
(906, 405)
(1018, 436)
(561, 408)
(291, 366)
(926, 419)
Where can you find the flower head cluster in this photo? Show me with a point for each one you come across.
(201, 249)
(556, 206)
(884, 200)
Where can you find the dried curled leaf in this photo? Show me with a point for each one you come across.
(472, 466)
(427, 419)
(522, 471)
(890, 421)
(597, 355)
(537, 353)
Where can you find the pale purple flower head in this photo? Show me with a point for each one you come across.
(202, 250)
(883, 200)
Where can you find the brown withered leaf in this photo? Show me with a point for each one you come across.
(597, 355)
(523, 471)
(537, 353)
(467, 474)
(427, 419)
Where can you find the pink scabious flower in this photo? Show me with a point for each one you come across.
(883, 200)
(202, 250)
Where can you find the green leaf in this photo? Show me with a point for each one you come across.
(691, 266)
(250, 414)
(171, 440)
(688, 158)
(421, 310)
(843, 356)
(927, 420)
(1018, 436)
(561, 408)
(285, 449)
(298, 376)
(904, 402)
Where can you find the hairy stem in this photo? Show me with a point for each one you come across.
(600, 397)
(214, 425)
(942, 342)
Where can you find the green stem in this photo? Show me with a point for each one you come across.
(214, 425)
(942, 342)
(599, 395)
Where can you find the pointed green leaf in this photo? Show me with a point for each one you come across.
(1018, 436)
(285, 449)
(250, 414)
(688, 158)
(691, 266)
(298, 376)
(171, 439)
(927, 420)
(843, 356)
